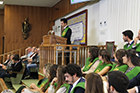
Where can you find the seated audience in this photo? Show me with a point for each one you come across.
(73, 76)
(128, 37)
(105, 64)
(117, 82)
(132, 60)
(5, 68)
(7, 60)
(16, 66)
(50, 72)
(29, 52)
(33, 62)
(119, 66)
(34, 53)
(94, 83)
(92, 62)
(60, 80)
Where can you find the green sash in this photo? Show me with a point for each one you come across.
(101, 66)
(64, 32)
(138, 47)
(134, 72)
(80, 84)
(121, 68)
(43, 83)
(130, 47)
(88, 64)
(113, 66)
(65, 85)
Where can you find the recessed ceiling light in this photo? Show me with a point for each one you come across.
(1, 2)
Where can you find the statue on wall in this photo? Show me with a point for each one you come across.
(25, 28)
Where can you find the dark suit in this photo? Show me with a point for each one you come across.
(15, 67)
(135, 82)
(78, 89)
(68, 35)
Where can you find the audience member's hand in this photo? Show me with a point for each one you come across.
(33, 86)
(13, 61)
(83, 73)
(23, 90)
(3, 67)
(10, 72)
(104, 78)
(132, 90)
(135, 40)
(54, 80)
(29, 60)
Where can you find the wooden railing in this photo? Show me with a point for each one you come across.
(20, 51)
(49, 54)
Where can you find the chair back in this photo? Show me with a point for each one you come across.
(19, 76)
(110, 48)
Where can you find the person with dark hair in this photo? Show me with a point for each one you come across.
(16, 66)
(119, 66)
(92, 62)
(118, 82)
(128, 37)
(94, 83)
(132, 60)
(66, 33)
(73, 76)
(105, 63)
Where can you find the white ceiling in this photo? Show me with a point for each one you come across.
(43, 3)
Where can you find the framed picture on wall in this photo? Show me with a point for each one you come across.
(78, 24)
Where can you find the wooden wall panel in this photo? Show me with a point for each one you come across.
(64, 7)
(39, 18)
(1, 31)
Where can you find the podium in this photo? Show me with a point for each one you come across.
(53, 39)
(48, 49)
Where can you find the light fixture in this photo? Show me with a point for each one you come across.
(1, 2)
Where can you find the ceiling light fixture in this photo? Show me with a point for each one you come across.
(1, 2)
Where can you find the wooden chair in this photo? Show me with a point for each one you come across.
(110, 47)
(18, 78)
(2, 85)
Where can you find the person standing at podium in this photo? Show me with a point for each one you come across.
(66, 33)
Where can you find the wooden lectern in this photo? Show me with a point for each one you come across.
(53, 39)
(47, 50)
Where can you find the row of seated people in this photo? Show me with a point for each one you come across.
(30, 60)
(98, 62)
(127, 67)
(12, 64)
(127, 61)
(68, 79)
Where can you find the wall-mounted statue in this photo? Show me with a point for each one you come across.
(25, 28)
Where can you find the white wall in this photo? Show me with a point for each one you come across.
(119, 16)
(92, 23)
